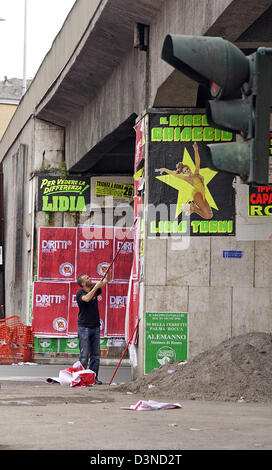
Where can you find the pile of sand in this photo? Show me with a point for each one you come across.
(239, 368)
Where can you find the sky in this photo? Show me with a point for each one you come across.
(44, 20)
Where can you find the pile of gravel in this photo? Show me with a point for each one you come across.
(239, 368)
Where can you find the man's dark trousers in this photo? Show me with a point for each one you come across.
(89, 347)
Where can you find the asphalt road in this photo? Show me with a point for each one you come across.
(40, 372)
(38, 416)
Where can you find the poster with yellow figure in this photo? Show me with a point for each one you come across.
(186, 196)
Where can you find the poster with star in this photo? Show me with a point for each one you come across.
(186, 198)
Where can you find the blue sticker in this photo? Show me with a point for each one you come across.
(232, 254)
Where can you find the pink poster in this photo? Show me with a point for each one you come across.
(123, 262)
(57, 254)
(116, 309)
(132, 311)
(64, 254)
(133, 307)
(73, 309)
(94, 250)
(139, 129)
(138, 182)
(102, 301)
(50, 308)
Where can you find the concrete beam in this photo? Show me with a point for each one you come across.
(243, 21)
(177, 91)
(237, 18)
(252, 44)
(102, 48)
(106, 145)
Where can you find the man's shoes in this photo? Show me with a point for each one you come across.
(98, 382)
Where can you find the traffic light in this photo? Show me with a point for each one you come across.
(240, 88)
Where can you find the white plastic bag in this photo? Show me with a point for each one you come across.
(151, 405)
(75, 376)
(133, 355)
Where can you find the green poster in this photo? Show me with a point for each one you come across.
(69, 345)
(56, 194)
(166, 338)
(46, 345)
(103, 344)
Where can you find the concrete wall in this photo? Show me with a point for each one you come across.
(190, 17)
(16, 169)
(39, 146)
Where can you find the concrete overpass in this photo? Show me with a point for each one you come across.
(95, 79)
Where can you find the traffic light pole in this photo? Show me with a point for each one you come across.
(262, 87)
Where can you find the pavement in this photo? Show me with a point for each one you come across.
(40, 372)
(40, 416)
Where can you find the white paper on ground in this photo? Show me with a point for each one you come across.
(150, 405)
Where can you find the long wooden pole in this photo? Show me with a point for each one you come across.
(125, 239)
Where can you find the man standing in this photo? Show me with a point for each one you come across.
(89, 322)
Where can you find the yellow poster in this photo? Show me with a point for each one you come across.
(109, 188)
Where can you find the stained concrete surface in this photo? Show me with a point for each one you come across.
(39, 416)
(39, 372)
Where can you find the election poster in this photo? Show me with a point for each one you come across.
(166, 339)
(186, 197)
(114, 189)
(59, 194)
(55, 309)
(65, 253)
(68, 346)
(50, 308)
(116, 308)
(260, 201)
(138, 167)
(72, 309)
(270, 158)
(84, 250)
(122, 253)
(139, 164)
(46, 345)
(53, 346)
(133, 299)
(260, 196)
(102, 301)
(57, 254)
(132, 310)
(94, 250)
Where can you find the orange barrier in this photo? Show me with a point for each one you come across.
(16, 341)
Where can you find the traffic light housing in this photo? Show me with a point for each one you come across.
(240, 89)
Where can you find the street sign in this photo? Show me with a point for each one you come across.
(166, 338)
